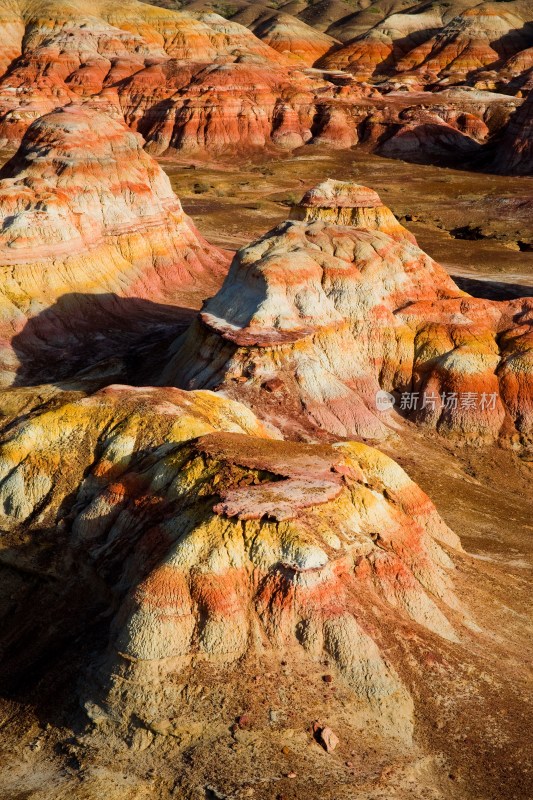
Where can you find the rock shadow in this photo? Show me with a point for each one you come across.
(82, 336)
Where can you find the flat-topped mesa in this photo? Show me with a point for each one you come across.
(87, 218)
(343, 203)
(338, 303)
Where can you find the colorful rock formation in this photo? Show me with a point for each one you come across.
(434, 45)
(292, 38)
(425, 135)
(70, 54)
(376, 52)
(89, 220)
(232, 108)
(202, 85)
(339, 303)
(218, 544)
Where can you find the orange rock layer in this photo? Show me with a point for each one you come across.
(216, 539)
(326, 311)
(94, 244)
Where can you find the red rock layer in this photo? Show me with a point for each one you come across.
(88, 220)
(215, 540)
(338, 304)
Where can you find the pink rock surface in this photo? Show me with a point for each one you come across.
(91, 231)
(340, 303)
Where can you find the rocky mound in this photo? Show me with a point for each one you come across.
(338, 304)
(291, 37)
(206, 547)
(89, 220)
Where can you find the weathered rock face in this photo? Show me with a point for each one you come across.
(195, 83)
(225, 108)
(202, 85)
(88, 220)
(230, 543)
(422, 135)
(376, 52)
(483, 36)
(515, 150)
(434, 45)
(292, 38)
(68, 53)
(326, 310)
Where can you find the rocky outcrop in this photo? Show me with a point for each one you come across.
(335, 306)
(514, 155)
(425, 136)
(71, 54)
(207, 546)
(204, 86)
(378, 51)
(197, 83)
(432, 45)
(226, 108)
(93, 243)
(292, 38)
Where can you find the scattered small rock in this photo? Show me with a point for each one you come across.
(273, 385)
(325, 736)
(327, 678)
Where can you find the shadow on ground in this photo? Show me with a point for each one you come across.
(86, 335)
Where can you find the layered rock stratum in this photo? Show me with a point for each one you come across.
(94, 246)
(195, 83)
(208, 538)
(338, 304)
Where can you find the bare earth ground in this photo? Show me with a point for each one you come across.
(232, 206)
(473, 699)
